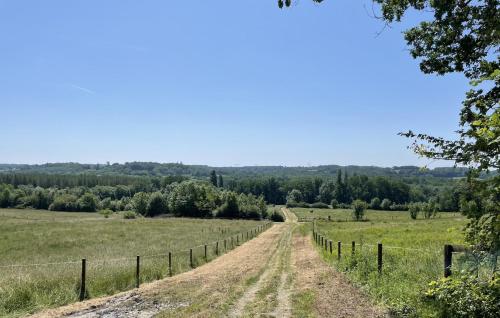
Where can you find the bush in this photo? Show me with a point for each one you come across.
(192, 199)
(414, 209)
(375, 203)
(385, 204)
(294, 196)
(466, 296)
(429, 210)
(359, 208)
(334, 204)
(140, 203)
(251, 207)
(230, 208)
(106, 213)
(129, 215)
(276, 216)
(156, 205)
(319, 205)
(483, 233)
(87, 203)
(64, 202)
(5, 198)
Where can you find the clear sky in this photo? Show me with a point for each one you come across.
(213, 82)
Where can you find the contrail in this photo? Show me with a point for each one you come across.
(83, 89)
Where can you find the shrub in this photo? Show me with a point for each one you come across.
(105, 203)
(375, 203)
(156, 205)
(334, 204)
(192, 199)
(319, 205)
(140, 203)
(359, 208)
(385, 204)
(106, 213)
(64, 202)
(414, 209)
(429, 209)
(466, 296)
(276, 217)
(129, 215)
(483, 233)
(87, 203)
(230, 208)
(294, 196)
(5, 198)
(251, 207)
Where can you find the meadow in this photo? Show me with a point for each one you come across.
(412, 253)
(42, 251)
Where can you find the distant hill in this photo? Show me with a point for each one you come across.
(179, 169)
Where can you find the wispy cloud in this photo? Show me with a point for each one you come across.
(83, 89)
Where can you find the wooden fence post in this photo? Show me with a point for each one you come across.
(225, 249)
(331, 246)
(137, 272)
(206, 256)
(217, 247)
(379, 257)
(448, 255)
(82, 282)
(353, 247)
(339, 249)
(191, 257)
(326, 245)
(170, 264)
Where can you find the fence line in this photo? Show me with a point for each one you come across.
(322, 240)
(100, 261)
(38, 264)
(400, 248)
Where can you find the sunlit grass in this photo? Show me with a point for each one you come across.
(110, 247)
(412, 254)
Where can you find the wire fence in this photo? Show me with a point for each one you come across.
(72, 280)
(387, 259)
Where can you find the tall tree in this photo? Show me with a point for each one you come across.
(213, 178)
(220, 181)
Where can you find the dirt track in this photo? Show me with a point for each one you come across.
(261, 278)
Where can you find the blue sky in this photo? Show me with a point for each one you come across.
(213, 82)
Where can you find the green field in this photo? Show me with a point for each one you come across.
(345, 215)
(412, 253)
(35, 239)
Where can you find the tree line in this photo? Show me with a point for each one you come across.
(379, 191)
(187, 198)
(154, 169)
(115, 192)
(46, 180)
